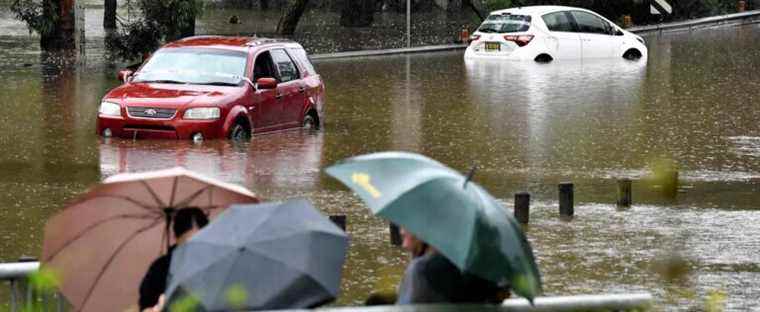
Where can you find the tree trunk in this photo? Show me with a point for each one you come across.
(291, 16)
(109, 14)
(477, 7)
(185, 27)
(61, 36)
(357, 13)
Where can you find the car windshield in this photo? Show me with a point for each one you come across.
(194, 66)
(505, 23)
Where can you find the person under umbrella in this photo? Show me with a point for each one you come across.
(431, 278)
(186, 223)
(456, 217)
(281, 255)
(102, 243)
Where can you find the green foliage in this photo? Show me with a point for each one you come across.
(185, 304)
(32, 12)
(45, 280)
(492, 5)
(160, 20)
(43, 283)
(715, 301)
(236, 296)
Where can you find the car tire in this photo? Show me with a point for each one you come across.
(309, 122)
(632, 55)
(240, 133)
(543, 58)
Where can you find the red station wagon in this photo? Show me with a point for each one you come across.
(215, 87)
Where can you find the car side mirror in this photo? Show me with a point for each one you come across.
(618, 32)
(266, 83)
(125, 75)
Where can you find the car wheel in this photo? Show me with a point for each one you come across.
(543, 58)
(309, 123)
(240, 132)
(632, 55)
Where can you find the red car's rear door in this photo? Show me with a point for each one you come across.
(291, 88)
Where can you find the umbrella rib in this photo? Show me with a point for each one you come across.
(92, 227)
(174, 192)
(152, 193)
(193, 196)
(113, 256)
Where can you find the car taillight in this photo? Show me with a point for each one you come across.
(520, 40)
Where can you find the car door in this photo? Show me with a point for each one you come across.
(291, 88)
(596, 40)
(266, 105)
(563, 37)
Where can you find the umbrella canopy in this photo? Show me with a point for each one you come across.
(266, 256)
(441, 207)
(102, 243)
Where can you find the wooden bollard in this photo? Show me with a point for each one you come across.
(395, 235)
(566, 199)
(340, 221)
(624, 193)
(670, 183)
(522, 207)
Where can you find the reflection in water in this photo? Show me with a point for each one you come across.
(286, 160)
(544, 104)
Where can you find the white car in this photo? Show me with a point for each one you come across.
(546, 33)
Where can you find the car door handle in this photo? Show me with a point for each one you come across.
(278, 96)
(301, 90)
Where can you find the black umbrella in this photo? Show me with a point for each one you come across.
(255, 257)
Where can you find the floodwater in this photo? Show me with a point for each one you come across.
(526, 126)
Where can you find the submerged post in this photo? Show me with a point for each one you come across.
(395, 235)
(624, 193)
(522, 207)
(340, 221)
(670, 183)
(566, 208)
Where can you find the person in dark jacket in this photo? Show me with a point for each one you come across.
(431, 278)
(187, 221)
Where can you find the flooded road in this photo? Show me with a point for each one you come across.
(527, 127)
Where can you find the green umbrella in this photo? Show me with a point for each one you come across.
(441, 207)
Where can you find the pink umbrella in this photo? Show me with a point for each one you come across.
(102, 243)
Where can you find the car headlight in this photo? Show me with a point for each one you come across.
(202, 113)
(109, 109)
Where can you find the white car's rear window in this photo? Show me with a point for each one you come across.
(505, 23)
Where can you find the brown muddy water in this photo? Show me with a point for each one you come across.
(526, 126)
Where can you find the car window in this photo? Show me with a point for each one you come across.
(505, 23)
(558, 21)
(263, 68)
(300, 55)
(589, 23)
(285, 67)
(194, 65)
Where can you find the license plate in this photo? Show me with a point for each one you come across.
(493, 46)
